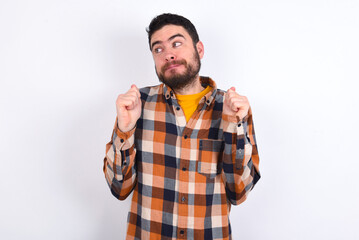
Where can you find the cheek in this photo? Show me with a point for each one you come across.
(158, 62)
(158, 68)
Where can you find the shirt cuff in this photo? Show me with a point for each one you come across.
(234, 119)
(233, 124)
(123, 140)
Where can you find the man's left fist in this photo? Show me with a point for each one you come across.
(235, 104)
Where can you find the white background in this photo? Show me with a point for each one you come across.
(63, 63)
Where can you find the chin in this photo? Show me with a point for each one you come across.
(173, 72)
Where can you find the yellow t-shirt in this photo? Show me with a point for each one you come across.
(189, 103)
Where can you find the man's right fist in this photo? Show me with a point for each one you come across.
(128, 108)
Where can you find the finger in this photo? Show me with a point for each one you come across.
(130, 95)
(231, 99)
(236, 105)
(127, 100)
(136, 90)
(133, 92)
(239, 98)
(240, 101)
(232, 89)
(234, 95)
(228, 95)
(127, 103)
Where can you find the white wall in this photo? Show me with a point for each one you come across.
(63, 63)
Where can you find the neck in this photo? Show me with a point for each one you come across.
(192, 88)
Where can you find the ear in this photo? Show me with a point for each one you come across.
(200, 49)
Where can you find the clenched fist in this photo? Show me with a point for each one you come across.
(128, 108)
(235, 104)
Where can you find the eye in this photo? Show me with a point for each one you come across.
(157, 50)
(177, 44)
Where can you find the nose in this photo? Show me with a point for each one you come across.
(170, 57)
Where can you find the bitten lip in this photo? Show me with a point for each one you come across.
(173, 66)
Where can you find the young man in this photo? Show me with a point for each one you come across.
(186, 149)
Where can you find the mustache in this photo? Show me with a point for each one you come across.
(174, 62)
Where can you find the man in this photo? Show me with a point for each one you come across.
(186, 149)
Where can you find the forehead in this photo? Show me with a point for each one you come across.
(167, 31)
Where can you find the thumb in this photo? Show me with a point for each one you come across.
(135, 88)
(232, 89)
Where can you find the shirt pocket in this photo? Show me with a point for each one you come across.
(210, 157)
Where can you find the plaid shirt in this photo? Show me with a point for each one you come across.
(185, 175)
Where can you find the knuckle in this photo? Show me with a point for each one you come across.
(119, 98)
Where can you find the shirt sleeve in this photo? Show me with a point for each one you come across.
(240, 157)
(119, 163)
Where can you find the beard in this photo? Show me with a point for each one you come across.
(179, 81)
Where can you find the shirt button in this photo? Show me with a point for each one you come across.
(182, 232)
(183, 199)
(239, 124)
(208, 101)
(185, 136)
(184, 169)
(178, 108)
(122, 140)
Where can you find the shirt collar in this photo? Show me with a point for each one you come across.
(208, 98)
(205, 81)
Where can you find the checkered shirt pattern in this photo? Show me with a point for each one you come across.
(184, 175)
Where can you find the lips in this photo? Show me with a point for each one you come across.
(173, 64)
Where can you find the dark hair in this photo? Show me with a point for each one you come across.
(171, 19)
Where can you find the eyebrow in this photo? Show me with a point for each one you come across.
(169, 39)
